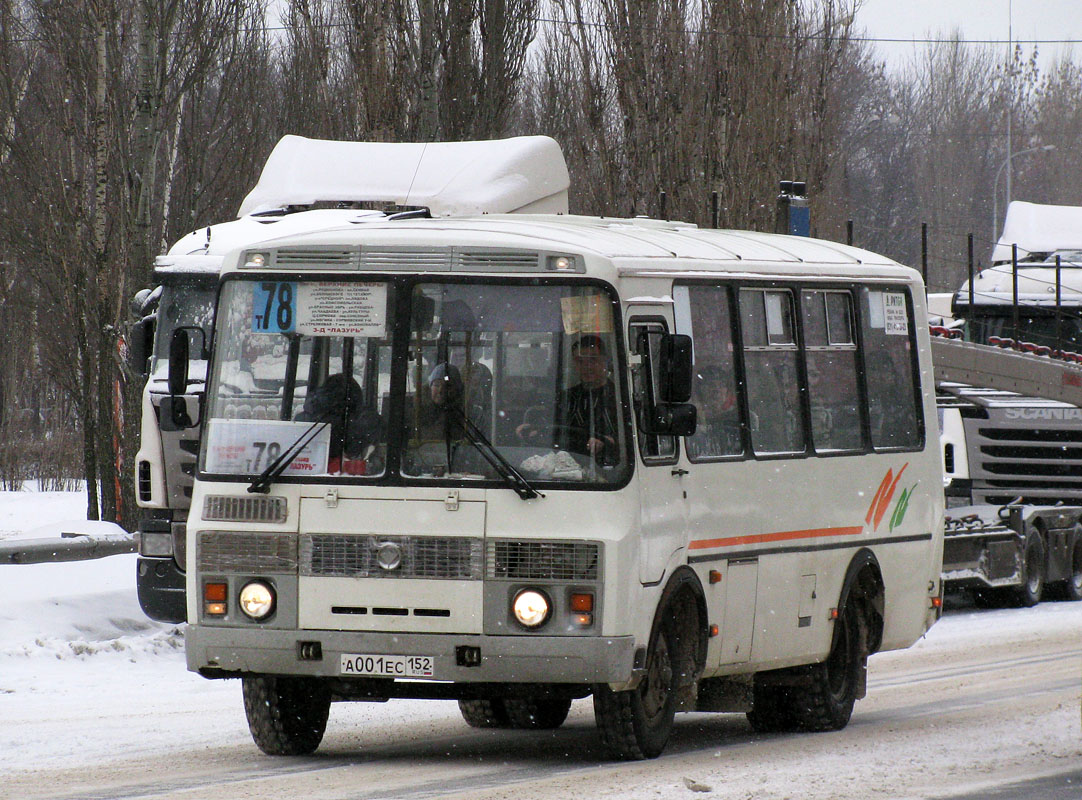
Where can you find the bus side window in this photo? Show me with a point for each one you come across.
(645, 384)
(714, 390)
(770, 364)
(890, 368)
(831, 361)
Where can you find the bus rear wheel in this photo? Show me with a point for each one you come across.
(636, 723)
(537, 713)
(824, 700)
(485, 713)
(287, 716)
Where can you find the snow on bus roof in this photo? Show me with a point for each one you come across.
(1038, 228)
(451, 179)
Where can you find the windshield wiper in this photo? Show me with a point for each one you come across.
(262, 483)
(511, 476)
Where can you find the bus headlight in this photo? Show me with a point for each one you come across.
(257, 600)
(531, 607)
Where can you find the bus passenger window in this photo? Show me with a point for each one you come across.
(890, 369)
(714, 390)
(770, 363)
(831, 361)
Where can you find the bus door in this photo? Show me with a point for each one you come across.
(662, 497)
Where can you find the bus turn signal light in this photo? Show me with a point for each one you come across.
(214, 599)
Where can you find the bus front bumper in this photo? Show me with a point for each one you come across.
(469, 658)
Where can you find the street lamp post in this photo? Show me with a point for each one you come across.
(995, 185)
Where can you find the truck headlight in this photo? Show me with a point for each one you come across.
(257, 600)
(531, 607)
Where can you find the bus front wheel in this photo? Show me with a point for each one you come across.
(636, 723)
(286, 715)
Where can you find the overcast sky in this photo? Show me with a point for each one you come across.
(1028, 21)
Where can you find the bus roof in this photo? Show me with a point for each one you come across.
(632, 245)
(521, 174)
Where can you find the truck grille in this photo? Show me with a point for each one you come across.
(232, 551)
(543, 561)
(1037, 461)
(431, 557)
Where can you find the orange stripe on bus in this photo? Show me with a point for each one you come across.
(780, 536)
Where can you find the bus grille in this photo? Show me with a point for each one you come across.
(543, 561)
(431, 557)
(232, 551)
(227, 508)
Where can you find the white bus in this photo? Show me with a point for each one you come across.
(517, 460)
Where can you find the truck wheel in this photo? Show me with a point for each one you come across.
(486, 713)
(824, 700)
(537, 713)
(287, 716)
(1029, 593)
(1072, 587)
(636, 723)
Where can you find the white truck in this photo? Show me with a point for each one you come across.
(293, 196)
(1012, 433)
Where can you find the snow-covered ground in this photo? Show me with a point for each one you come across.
(86, 681)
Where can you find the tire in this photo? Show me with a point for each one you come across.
(636, 724)
(537, 713)
(486, 713)
(824, 700)
(1029, 593)
(1072, 587)
(287, 716)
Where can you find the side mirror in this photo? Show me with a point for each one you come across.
(140, 343)
(675, 369)
(178, 362)
(140, 302)
(673, 419)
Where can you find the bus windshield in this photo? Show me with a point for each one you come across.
(494, 380)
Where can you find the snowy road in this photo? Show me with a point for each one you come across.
(95, 702)
(988, 699)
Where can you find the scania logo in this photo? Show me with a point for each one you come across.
(1060, 414)
(389, 556)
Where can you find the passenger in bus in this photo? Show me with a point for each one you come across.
(442, 419)
(586, 413)
(718, 430)
(355, 428)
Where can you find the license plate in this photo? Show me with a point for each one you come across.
(387, 666)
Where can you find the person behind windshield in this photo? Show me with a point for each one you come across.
(586, 416)
(355, 428)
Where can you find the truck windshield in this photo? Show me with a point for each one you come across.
(182, 304)
(492, 379)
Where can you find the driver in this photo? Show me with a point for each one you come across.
(586, 420)
(354, 426)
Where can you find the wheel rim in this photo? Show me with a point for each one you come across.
(1033, 571)
(654, 690)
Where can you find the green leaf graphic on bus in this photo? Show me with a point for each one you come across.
(900, 509)
(883, 495)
